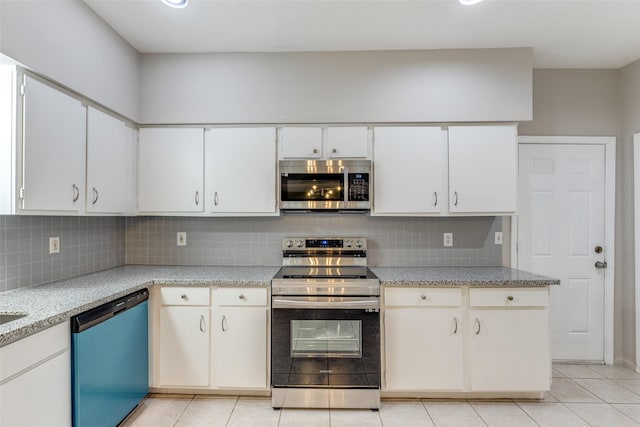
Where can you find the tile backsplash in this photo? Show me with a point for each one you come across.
(393, 241)
(87, 244)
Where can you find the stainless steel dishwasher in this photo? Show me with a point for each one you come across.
(110, 360)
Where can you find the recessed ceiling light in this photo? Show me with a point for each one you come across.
(469, 2)
(179, 4)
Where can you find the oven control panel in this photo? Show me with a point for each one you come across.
(297, 243)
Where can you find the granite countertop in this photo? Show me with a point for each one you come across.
(460, 276)
(55, 302)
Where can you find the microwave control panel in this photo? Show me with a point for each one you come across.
(358, 187)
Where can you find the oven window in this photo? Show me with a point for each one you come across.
(326, 338)
(303, 187)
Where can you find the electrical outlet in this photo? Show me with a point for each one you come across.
(54, 245)
(498, 239)
(181, 238)
(448, 239)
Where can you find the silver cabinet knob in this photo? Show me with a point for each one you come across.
(242, 297)
(315, 151)
(510, 298)
(334, 151)
(423, 297)
(184, 297)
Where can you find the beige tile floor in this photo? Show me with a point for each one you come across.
(581, 395)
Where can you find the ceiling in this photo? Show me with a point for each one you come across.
(563, 34)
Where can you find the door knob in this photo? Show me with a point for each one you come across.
(598, 249)
(601, 264)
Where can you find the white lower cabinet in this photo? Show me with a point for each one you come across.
(509, 341)
(217, 342)
(493, 340)
(413, 362)
(35, 380)
(240, 338)
(183, 338)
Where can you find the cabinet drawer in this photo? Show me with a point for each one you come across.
(28, 351)
(240, 296)
(184, 296)
(422, 297)
(509, 297)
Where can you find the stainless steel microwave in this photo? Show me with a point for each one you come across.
(325, 185)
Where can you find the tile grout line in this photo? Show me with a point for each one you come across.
(232, 410)
(528, 415)
(427, 411)
(477, 413)
(184, 410)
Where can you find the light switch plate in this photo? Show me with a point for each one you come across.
(498, 239)
(181, 238)
(447, 239)
(54, 245)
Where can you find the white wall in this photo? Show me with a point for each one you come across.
(587, 103)
(625, 277)
(333, 87)
(67, 42)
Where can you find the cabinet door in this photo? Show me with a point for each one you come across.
(110, 164)
(40, 396)
(482, 169)
(409, 170)
(54, 150)
(240, 347)
(509, 350)
(170, 170)
(184, 346)
(300, 142)
(347, 142)
(240, 170)
(423, 349)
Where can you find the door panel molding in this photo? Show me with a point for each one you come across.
(609, 144)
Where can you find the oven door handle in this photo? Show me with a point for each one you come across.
(326, 303)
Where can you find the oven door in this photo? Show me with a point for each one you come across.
(325, 342)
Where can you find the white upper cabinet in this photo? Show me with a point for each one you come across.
(347, 142)
(111, 165)
(170, 170)
(54, 126)
(409, 171)
(483, 169)
(240, 170)
(300, 142)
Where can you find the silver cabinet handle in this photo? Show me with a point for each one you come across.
(76, 193)
(435, 198)
(478, 326)
(455, 198)
(601, 264)
(203, 324)
(197, 198)
(455, 325)
(95, 196)
(224, 323)
(215, 198)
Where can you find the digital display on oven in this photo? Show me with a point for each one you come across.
(324, 243)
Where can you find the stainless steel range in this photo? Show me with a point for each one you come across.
(325, 337)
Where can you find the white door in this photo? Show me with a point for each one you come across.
(508, 350)
(170, 170)
(240, 347)
(409, 170)
(561, 227)
(240, 170)
(482, 169)
(423, 349)
(110, 164)
(54, 149)
(347, 142)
